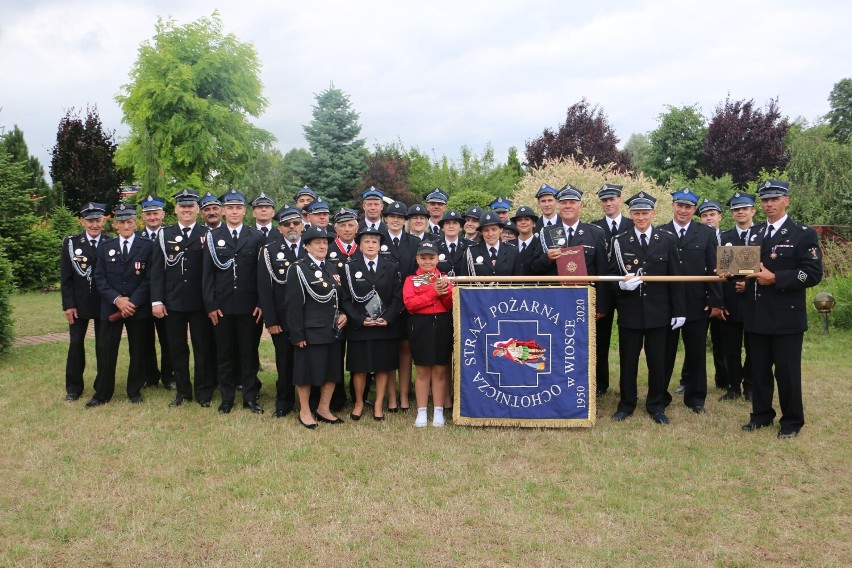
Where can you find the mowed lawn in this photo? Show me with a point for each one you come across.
(125, 485)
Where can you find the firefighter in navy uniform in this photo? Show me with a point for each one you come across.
(282, 250)
(452, 247)
(176, 269)
(153, 214)
(710, 214)
(528, 242)
(492, 257)
(229, 287)
(697, 250)
(80, 299)
(734, 341)
(372, 202)
(122, 276)
(646, 311)
(776, 310)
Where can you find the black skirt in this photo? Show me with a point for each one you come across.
(431, 337)
(372, 356)
(318, 364)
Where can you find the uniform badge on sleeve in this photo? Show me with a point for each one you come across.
(802, 276)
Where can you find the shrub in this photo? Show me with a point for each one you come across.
(6, 289)
(841, 316)
(462, 200)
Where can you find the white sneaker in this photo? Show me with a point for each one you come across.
(422, 418)
(438, 418)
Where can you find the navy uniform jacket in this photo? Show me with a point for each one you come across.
(146, 234)
(529, 253)
(652, 304)
(453, 263)
(606, 225)
(77, 275)
(176, 268)
(404, 254)
(388, 286)
(793, 254)
(380, 226)
(697, 250)
(131, 277)
(234, 289)
(275, 260)
(735, 302)
(590, 237)
(307, 318)
(508, 260)
(338, 259)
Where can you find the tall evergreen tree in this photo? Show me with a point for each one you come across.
(337, 154)
(83, 160)
(15, 145)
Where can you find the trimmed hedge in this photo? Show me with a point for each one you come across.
(6, 288)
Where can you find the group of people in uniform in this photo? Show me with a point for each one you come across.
(371, 294)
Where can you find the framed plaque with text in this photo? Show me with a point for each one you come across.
(737, 260)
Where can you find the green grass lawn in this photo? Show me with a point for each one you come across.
(126, 485)
(37, 313)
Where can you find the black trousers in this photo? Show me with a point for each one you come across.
(720, 374)
(603, 337)
(108, 357)
(235, 342)
(784, 353)
(738, 373)
(258, 335)
(695, 359)
(630, 344)
(153, 372)
(285, 393)
(204, 376)
(75, 363)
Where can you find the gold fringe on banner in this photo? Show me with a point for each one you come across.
(526, 422)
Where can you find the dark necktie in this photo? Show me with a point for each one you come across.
(396, 241)
(153, 235)
(293, 248)
(265, 231)
(94, 244)
(124, 252)
(185, 232)
(436, 230)
(743, 236)
(493, 256)
(644, 242)
(550, 223)
(322, 266)
(348, 247)
(769, 230)
(234, 233)
(614, 228)
(523, 246)
(682, 233)
(373, 227)
(453, 249)
(570, 234)
(372, 267)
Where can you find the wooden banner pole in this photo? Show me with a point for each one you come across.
(578, 279)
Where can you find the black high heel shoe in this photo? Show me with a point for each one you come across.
(308, 426)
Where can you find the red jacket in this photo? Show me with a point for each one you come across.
(424, 299)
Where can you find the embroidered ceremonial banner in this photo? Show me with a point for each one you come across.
(524, 356)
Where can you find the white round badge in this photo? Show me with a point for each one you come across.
(333, 255)
(112, 252)
(479, 259)
(178, 239)
(358, 274)
(442, 256)
(318, 273)
(78, 251)
(560, 241)
(280, 256)
(384, 248)
(221, 242)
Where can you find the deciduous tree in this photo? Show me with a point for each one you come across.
(840, 115)
(586, 133)
(676, 144)
(742, 140)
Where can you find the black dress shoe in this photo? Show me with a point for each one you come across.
(71, 397)
(730, 395)
(176, 402)
(321, 418)
(620, 416)
(660, 418)
(355, 417)
(752, 426)
(680, 389)
(225, 407)
(747, 396)
(403, 408)
(253, 406)
(698, 409)
(171, 385)
(393, 410)
(94, 402)
(308, 426)
(378, 418)
(785, 433)
(280, 413)
(204, 403)
(136, 400)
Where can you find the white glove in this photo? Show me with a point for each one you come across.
(631, 284)
(677, 322)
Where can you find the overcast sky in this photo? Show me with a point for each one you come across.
(441, 74)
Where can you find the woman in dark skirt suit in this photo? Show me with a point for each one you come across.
(428, 297)
(314, 318)
(373, 284)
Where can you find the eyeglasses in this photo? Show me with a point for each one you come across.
(289, 223)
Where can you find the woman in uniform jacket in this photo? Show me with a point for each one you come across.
(372, 301)
(315, 320)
